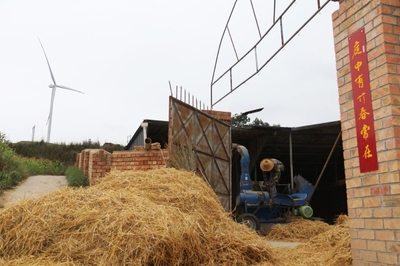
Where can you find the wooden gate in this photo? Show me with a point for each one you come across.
(211, 141)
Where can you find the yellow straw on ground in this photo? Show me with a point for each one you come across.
(157, 217)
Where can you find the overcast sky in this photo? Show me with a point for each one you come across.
(122, 54)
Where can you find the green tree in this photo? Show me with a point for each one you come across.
(259, 122)
(239, 120)
(244, 121)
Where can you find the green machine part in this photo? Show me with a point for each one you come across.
(306, 211)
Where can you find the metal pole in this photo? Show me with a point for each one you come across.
(291, 160)
(326, 163)
(33, 133)
(53, 93)
(170, 88)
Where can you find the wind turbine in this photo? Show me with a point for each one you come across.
(53, 93)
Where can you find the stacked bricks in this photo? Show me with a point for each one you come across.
(82, 161)
(138, 160)
(99, 165)
(96, 163)
(220, 115)
(79, 161)
(373, 198)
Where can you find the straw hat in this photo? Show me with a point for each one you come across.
(266, 165)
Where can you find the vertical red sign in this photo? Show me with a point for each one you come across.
(362, 102)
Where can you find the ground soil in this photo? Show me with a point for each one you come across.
(32, 187)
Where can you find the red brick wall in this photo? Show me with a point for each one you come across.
(138, 160)
(220, 115)
(96, 163)
(373, 198)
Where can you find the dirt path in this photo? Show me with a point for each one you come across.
(32, 187)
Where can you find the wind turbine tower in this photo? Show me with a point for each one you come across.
(53, 93)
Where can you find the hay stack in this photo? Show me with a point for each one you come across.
(299, 230)
(157, 217)
(328, 248)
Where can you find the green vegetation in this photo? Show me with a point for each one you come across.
(76, 177)
(43, 166)
(14, 168)
(64, 153)
(239, 120)
(27, 158)
(11, 169)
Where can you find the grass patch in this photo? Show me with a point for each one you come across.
(76, 178)
(43, 166)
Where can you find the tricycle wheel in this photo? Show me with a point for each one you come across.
(250, 220)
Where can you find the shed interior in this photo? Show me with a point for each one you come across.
(315, 152)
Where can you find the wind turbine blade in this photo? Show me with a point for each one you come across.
(51, 72)
(66, 88)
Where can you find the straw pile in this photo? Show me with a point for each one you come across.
(157, 217)
(299, 230)
(328, 248)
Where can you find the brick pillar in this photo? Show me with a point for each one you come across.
(78, 160)
(99, 165)
(373, 198)
(85, 160)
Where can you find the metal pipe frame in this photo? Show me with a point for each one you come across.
(254, 48)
